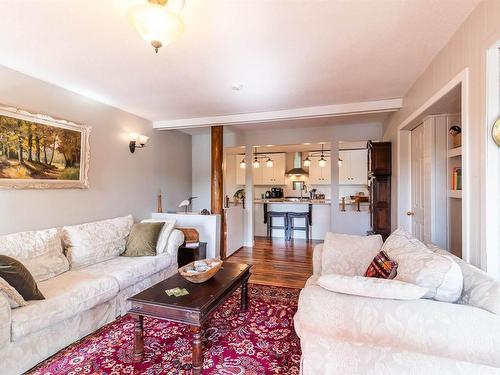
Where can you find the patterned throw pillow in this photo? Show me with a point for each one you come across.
(382, 267)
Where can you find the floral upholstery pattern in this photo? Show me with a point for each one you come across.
(5, 311)
(66, 295)
(91, 243)
(348, 255)
(417, 264)
(39, 251)
(479, 288)
(12, 295)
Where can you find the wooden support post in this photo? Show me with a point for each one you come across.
(217, 186)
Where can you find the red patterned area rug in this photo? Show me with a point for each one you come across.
(256, 342)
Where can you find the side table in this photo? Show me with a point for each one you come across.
(187, 254)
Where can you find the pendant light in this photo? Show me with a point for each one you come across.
(322, 160)
(158, 22)
(307, 161)
(269, 162)
(340, 162)
(243, 165)
(256, 163)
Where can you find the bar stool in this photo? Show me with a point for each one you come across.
(291, 224)
(271, 226)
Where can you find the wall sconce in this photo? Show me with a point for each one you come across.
(137, 141)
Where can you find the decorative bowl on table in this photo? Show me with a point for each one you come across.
(200, 271)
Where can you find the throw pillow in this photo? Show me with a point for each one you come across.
(371, 287)
(18, 276)
(12, 295)
(161, 245)
(348, 255)
(382, 267)
(142, 239)
(419, 265)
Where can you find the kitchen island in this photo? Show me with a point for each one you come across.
(320, 210)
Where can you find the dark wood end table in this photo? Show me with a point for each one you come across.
(193, 309)
(188, 254)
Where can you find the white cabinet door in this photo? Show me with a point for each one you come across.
(345, 156)
(358, 167)
(320, 175)
(257, 174)
(279, 169)
(240, 172)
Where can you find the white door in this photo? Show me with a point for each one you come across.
(417, 182)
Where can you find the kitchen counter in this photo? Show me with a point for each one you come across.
(289, 201)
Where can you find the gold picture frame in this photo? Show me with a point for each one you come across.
(41, 152)
(495, 132)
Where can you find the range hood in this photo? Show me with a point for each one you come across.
(297, 166)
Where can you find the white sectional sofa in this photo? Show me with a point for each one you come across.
(347, 334)
(85, 281)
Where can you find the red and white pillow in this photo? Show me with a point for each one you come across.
(382, 267)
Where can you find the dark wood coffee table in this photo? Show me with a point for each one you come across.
(193, 309)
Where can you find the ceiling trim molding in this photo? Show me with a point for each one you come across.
(388, 105)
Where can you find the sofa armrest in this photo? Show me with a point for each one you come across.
(317, 255)
(175, 240)
(425, 326)
(5, 321)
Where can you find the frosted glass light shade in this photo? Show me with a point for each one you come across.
(307, 162)
(243, 165)
(156, 24)
(322, 162)
(143, 139)
(256, 164)
(269, 163)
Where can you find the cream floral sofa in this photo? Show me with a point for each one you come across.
(84, 280)
(347, 334)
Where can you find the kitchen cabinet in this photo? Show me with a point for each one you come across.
(320, 175)
(263, 175)
(274, 175)
(354, 169)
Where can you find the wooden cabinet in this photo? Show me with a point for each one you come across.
(320, 175)
(263, 175)
(354, 168)
(379, 174)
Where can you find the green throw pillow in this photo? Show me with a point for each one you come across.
(18, 277)
(142, 239)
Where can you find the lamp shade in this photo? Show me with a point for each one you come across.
(269, 163)
(322, 162)
(157, 24)
(243, 165)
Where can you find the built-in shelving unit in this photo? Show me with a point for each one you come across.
(455, 173)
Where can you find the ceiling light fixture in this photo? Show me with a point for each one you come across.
(269, 162)
(307, 161)
(243, 165)
(158, 21)
(340, 162)
(256, 163)
(322, 160)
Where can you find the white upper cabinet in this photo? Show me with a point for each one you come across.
(320, 175)
(263, 175)
(354, 169)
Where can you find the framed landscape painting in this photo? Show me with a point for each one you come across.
(39, 152)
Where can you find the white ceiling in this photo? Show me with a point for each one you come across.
(287, 54)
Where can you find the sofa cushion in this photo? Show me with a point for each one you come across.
(371, 287)
(168, 227)
(91, 243)
(480, 289)
(66, 295)
(348, 255)
(18, 276)
(417, 264)
(130, 270)
(39, 251)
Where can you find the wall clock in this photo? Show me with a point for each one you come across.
(495, 132)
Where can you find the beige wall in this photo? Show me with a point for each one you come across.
(120, 183)
(467, 48)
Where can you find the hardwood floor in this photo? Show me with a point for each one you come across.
(277, 262)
